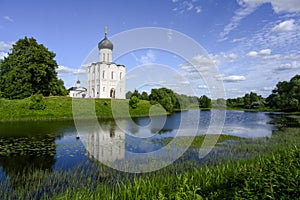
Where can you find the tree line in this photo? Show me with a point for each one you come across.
(285, 97)
(167, 98)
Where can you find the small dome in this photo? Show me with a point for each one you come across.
(78, 82)
(105, 44)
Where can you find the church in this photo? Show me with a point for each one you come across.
(105, 78)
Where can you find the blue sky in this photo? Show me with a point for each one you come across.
(254, 43)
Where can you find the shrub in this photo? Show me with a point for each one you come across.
(37, 102)
(133, 102)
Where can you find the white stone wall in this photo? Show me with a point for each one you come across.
(106, 79)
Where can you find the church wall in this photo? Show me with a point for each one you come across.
(104, 78)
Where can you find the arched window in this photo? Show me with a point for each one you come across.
(112, 93)
(103, 74)
(120, 75)
(103, 57)
(112, 75)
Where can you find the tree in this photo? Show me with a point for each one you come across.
(128, 94)
(144, 96)
(133, 102)
(165, 97)
(136, 94)
(252, 101)
(29, 69)
(286, 95)
(204, 102)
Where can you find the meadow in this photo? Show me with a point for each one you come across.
(60, 108)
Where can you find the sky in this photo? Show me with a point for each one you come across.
(253, 43)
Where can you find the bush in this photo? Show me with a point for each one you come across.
(37, 102)
(133, 102)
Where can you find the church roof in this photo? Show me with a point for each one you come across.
(105, 44)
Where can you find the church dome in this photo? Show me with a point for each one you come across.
(105, 44)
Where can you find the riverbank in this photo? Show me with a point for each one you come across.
(60, 108)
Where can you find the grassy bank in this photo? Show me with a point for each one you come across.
(274, 176)
(60, 108)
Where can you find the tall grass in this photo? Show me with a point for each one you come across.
(273, 176)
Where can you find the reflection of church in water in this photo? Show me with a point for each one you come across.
(106, 145)
(105, 78)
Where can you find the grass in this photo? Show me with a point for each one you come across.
(273, 176)
(60, 108)
(197, 141)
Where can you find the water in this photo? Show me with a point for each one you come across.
(53, 145)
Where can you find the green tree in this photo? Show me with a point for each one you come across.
(128, 94)
(133, 102)
(136, 94)
(286, 95)
(204, 102)
(144, 96)
(165, 97)
(29, 69)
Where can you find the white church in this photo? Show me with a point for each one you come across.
(105, 78)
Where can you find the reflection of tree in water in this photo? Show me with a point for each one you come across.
(23, 158)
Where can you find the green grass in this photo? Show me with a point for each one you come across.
(197, 140)
(273, 176)
(60, 108)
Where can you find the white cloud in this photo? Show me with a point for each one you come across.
(288, 66)
(235, 20)
(248, 6)
(252, 54)
(67, 70)
(277, 5)
(203, 86)
(238, 40)
(199, 63)
(186, 6)
(3, 55)
(233, 78)
(287, 25)
(230, 57)
(8, 18)
(185, 82)
(198, 9)
(205, 61)
(267, 89)
(263, 52)
(5, 46)
(273, 57)
(148, 58)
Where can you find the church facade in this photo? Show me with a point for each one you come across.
(105, 78)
